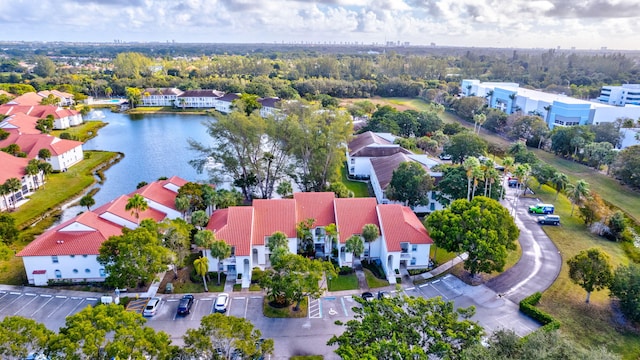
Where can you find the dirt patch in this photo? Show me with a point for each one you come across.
(170, 277)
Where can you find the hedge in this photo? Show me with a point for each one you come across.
(528, 306)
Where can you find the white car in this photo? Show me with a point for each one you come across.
(222, 302)
(152, 307)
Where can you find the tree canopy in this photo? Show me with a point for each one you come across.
(410, 184)
(627, 166)
(591, 269)
(407, 328)
(463, 145)
(481, 227)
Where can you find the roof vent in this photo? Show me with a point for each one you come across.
(60, 242)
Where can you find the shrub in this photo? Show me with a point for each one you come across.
(345, 270)
(527, 306)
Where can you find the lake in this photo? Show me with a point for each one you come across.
(154, 145)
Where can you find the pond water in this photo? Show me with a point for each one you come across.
(154, 145)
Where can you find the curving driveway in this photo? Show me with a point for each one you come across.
(540, 263)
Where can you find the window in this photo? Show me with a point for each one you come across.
(233, 251)
(84, 256)
(103, 273)
(87, 270)
(54, 259)
(353, 161)
(413, 261)
(72, 256)
(414, 247)
(432, 206)
(58, 274)
(433, 195)
(75, 271)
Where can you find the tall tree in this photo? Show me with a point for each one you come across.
(591, 269)
(577, 193)
(627, 166)
(463, 145)
(354, 245)
(44, 66)
(410, 184)
(8, 230)
(21, 336)
(13, 185)
(370, 232)
(471, 166)
(133, 258)
(134, 96)
(220, 250)
(559, 181)
(204, 239)
(136, 204)
(482, 228)
(87, 201)
(182, 205)
(199, 219)
(317, 143)
(201, 265)
(33, 170)
(421, 329)
(176, 236)
(109, 331)
(625, 286)
(226, 335)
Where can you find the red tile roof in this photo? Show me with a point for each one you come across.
(117, 208)
(354, 213)
(160, 192)
(26, 123)
(39, 111)
(12, 167)
(32, 143)
(62, 240)
(400, 224)
(271, 216)
(315, 205)
(29, 98)
(234, 226)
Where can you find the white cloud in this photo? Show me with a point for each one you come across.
(517, 23)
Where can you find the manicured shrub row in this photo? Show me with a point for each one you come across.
(528, 306)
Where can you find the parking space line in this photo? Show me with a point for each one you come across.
(423, 285)
(45, 304)
(440, 292)
(411, 288)
(61, 296)
(14, 300)
(74, 308)
(59, 306)
(246, 308)
(30, 294)
(15, 293)
(46, 295)
(25, 305)
(92, 299)
(344, 307)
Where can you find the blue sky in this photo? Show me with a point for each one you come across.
(584, 24)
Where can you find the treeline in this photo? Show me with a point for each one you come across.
(296, 73)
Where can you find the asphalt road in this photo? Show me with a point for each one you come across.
(540, 263)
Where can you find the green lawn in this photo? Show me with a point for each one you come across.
(61, 187)
(608, 188)
(83, 132)
(344, 282)
(359, 188)
(373, 281)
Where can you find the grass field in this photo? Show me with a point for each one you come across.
(344, 282)
(61, 187)
(84, 132)
(359, 188)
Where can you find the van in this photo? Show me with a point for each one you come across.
(549, 220)
(541, 209)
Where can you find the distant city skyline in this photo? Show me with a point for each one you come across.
(585, 24)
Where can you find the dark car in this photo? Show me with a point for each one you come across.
(184, 307)
(549, 220)
(444, 156)
(383, 295)
(368, 296)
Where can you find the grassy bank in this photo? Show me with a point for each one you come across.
(61, 187)
(84, 132)
(167, 110)
(359, 188)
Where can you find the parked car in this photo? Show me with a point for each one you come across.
(383, 295)
(184, 307)
(152, 307)
(549, 220)
(541, 209)
(222, 302)
(444, 156)
(368, 296)
(513, 182)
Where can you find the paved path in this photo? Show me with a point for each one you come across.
(540, 263)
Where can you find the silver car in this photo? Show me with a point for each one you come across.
(152, 307)
(222, 302)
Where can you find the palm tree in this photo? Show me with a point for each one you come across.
(507, 162)
(33, 170)
(204, 239)
(136, 204)
(46, 169)
(4, 191)
(477, 175)
(44, 154)
(577, 193)
(370, 232)
(182, 205)
(199, 219)
(87, 201)
(201, 265)
(220, 250)
(488, 171)
(354, 245)
(559, 181)
(478, 120)
(13, 186)
(469, 165)
(522, 173)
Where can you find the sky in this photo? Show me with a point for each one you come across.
(583, 24)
